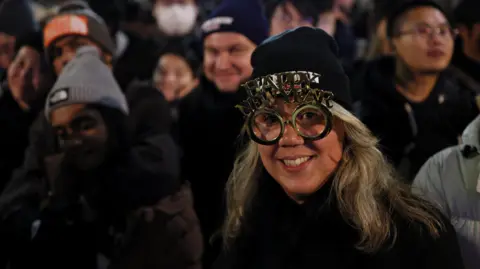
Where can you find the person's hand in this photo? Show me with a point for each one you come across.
(63, 188)
(66, 198)
(24, 76)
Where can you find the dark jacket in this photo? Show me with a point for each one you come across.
(152, 173)
(465, 69)
(163, 235)
(15, 123)
(149, 111)
(209, 125)
(278, 233)
(411, 132)
(168, 117)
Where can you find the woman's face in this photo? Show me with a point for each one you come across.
(173, 77)
(300, 166)
(425, 40)
(81, 134)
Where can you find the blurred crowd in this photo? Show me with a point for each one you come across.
(119, 130)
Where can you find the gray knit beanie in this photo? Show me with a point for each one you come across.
(86, 80)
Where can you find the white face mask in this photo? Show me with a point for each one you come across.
(176, 19)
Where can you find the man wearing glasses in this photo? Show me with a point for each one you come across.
(408, 101)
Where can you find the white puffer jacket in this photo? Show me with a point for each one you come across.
(451, 179)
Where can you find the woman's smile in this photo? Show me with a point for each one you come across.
(296, 164)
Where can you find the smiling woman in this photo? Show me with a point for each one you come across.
(311, 188)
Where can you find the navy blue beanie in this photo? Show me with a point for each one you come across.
(245, 17)
(405, 6)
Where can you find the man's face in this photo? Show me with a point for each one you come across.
(425, 40)
(227, 60)
(7, 50)
(64, 50)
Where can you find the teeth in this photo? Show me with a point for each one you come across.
(296, 162)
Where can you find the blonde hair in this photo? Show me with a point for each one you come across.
(363, 182)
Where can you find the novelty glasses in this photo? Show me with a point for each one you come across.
(312, 122)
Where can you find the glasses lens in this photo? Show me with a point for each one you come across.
(266, 126)
(310, 121)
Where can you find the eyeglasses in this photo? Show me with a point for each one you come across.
(427, 31)
(311, 122)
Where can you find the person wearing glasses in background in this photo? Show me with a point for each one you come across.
(408, 101)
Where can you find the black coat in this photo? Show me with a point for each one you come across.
(411, 132)
(465, 69)
(152, 172)
(209, 125)
(280, 234)
(14, 122)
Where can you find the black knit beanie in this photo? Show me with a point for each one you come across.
(304, 49)
(181, 48)
(406, 7)
(467, 12)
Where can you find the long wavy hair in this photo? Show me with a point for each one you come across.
(366, 187)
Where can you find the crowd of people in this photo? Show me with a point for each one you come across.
(273, 134)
